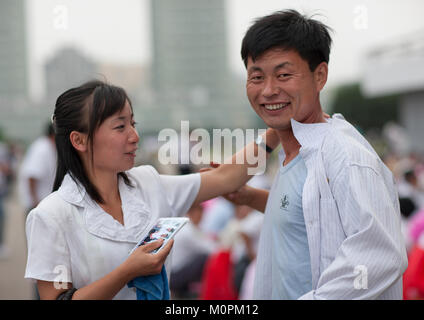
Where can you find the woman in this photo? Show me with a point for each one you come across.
(79, 236)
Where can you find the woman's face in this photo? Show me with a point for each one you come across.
(115, 142)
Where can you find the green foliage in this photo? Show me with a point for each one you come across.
(365, 113)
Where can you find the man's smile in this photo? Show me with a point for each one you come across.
(275, 106)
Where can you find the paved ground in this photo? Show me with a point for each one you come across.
(12, 269)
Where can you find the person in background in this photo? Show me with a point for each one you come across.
(216, 216)
(409, 188)
(192, 248)
(407, 210)
(241, 235)
(5, 172)
(37, 171)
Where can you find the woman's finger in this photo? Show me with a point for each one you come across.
(149, 247)
(163, 253)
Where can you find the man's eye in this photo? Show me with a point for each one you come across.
(120, 127)
(133, 124)
(284, 75)
(256, 78)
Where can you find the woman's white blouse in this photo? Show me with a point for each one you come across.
(71, 239)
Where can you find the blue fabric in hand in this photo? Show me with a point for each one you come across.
(153, 287)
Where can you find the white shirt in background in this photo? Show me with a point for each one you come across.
(189, 242)
(39, 163)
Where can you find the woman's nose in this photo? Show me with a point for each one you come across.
(134, 136)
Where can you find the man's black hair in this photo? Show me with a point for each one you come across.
(407, 206)
(409, 175)
(288, 30)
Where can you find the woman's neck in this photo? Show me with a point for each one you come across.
(107, 186)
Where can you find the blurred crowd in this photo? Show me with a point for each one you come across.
(214, 255)
(409, 174)
(8, 168)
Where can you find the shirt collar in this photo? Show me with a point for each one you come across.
(98, 222)
(309, 135)
(72, 191)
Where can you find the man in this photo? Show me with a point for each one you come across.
(332, 221)
(38, 170)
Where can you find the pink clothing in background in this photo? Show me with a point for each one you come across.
(416, 226)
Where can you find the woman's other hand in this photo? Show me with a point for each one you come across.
(144, 263)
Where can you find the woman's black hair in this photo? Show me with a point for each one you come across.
(83, 109)
(288, 30)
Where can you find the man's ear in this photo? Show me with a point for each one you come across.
(78, 141)
(320, 75)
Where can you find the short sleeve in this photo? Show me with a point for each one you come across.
(181, 191)
(48, 253)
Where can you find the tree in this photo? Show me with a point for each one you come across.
(365, 113)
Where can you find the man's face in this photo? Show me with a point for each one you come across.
(280, 86)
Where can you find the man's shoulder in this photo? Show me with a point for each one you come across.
(344, 146)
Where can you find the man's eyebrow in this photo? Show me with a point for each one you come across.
(283, 65)
(254, 68)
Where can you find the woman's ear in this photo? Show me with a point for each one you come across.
(78, 141)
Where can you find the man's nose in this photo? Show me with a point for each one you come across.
(270, 88)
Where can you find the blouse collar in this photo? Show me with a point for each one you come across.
(98, 222)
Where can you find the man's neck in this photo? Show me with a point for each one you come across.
(290, 144)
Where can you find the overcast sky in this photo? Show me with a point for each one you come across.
(118, 31)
